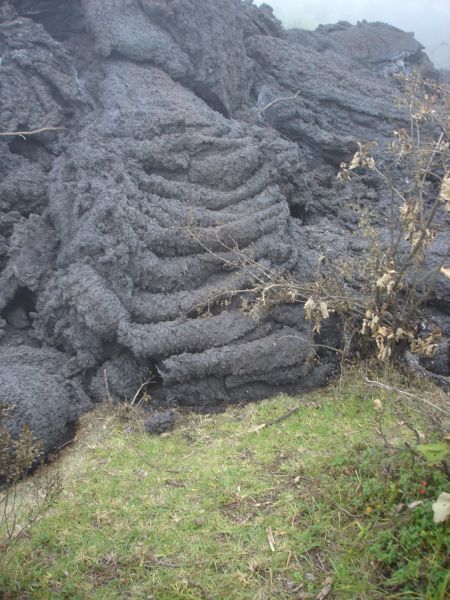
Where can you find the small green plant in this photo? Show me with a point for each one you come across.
(17, 458)
(406, 546)
(434, 453)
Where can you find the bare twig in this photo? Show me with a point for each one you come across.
(279, 419)
(407, 395)
(22, 134)
(141, 387)
(278, 100)
(108, 393)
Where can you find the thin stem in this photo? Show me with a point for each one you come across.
(279, 100)
(33, 132)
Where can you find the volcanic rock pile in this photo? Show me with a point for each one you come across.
(163, 133)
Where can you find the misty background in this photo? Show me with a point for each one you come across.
(428, 19)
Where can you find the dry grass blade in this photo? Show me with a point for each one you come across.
(271, 539)
(326, 590)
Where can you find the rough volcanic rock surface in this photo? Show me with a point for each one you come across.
(370, 43)
(33, 383)
(117, 232)
(197, 42)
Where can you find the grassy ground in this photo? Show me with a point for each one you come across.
(224, 508)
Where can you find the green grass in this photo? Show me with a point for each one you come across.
(189, 515)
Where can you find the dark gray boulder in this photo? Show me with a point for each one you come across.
(34, 385)
(160, 422)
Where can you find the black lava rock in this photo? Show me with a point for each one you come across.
(160, 422)
(165, 121)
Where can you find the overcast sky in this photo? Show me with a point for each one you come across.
(429, 19)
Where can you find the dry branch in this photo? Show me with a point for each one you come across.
(33, 132)
(407, 395)
(264, 108)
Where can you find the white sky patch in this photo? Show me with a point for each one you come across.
(428, 19)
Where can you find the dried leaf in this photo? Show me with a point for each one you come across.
(446, 271)
(257, 428)
(444, 195)
(387, 281)
(441, 508)
(323, 309)
(385, 351)
(378, 405)
(310, 305)
(365, 327)
(426, 346)
(384, 331)
(326, 590)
